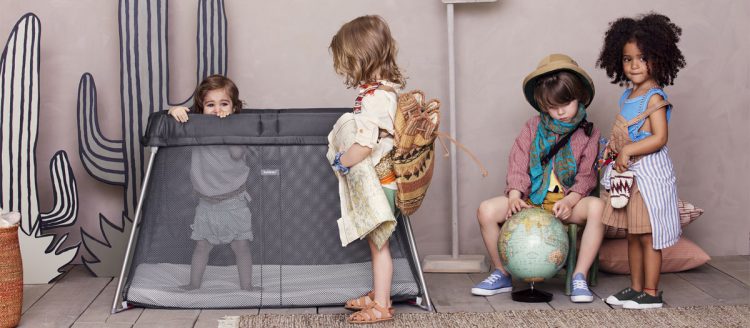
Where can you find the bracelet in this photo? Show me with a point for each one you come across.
(337, 164)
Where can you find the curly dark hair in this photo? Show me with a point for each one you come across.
(656, 37)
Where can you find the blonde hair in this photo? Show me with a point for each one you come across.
(364, 51)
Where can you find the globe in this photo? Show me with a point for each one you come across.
(533, 245)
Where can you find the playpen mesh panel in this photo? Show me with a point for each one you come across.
(279, 203)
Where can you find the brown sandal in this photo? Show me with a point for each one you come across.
(360, 303)
(367, 315)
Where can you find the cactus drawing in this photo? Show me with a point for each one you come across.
(65, 209)
(144, 78)
(19, 117)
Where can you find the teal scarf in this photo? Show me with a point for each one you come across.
(547, 133)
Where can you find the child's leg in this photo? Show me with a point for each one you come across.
(491, 214)
(198, 264)
(244, 259)
(589, 211)
(651, 265)
(635, 259)
(382, 276)
(382, 273)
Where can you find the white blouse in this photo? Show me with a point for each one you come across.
(378, 113)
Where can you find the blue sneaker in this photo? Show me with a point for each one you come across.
(580, 292)
(496, 283)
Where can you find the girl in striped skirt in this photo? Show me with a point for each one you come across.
(639, 179)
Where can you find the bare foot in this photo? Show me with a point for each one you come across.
(189, 287)
(253, 289)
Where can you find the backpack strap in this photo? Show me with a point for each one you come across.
(584, 124)
(648, 112)
(387, 88)
(367, 89)
(441, 135)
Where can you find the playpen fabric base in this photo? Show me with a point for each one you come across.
(329, 285)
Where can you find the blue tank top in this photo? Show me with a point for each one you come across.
(630, 108)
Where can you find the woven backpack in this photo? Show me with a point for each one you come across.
(416, 126)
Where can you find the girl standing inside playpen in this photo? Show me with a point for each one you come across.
(364, 53)
(219, 176)
(642, 54)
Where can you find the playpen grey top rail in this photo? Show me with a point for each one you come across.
(248, 127)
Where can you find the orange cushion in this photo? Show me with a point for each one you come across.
(685, 255)
(688, 213)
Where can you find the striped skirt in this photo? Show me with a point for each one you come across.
(655, 188)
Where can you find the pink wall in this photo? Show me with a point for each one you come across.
(279, 58)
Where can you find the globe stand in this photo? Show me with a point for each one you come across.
(531, 295)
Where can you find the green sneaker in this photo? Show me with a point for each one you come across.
(644, 301)
(622, 296)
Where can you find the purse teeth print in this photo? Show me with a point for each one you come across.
(620, 185)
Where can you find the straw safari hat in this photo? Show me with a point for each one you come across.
(555, 63)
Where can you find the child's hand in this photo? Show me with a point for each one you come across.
(622, 162)
(607, 152)
(223, 114)
(515, 205)
(179, 113)
(237, 152)
(562, 210)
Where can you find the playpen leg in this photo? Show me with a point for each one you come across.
(126, 260)
(426, 303)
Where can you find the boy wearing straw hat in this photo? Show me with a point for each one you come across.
(551, 166)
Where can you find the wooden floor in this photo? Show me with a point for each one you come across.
(80, 300)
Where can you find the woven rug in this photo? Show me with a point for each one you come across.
(696, 316)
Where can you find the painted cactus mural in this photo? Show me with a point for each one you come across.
(19, 118)
(144, 79)
(65, 209)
